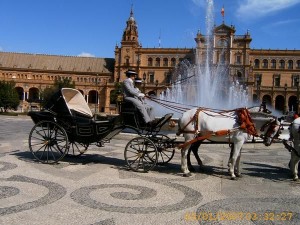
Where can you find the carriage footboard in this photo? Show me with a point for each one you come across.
(112, 133)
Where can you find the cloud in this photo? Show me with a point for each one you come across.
(283, 22)
(86, 54)
(259, 8)
(200, 3)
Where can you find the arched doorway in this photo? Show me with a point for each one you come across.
(20, 92)
(279, 103)
(34, 98)
(292, 103)
(268, 100)
(34, 95)
(94, 99)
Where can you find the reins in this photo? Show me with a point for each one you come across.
(174, 106)
(243, 114)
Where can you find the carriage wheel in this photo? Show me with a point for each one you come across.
(48, 142)
(164, 149)
(141, 154)
(77, 149)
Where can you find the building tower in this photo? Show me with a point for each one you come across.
(126, 56)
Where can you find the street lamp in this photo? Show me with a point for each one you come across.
(144, 78)
(297, 103)
(156, 84)
(258, 89)
(96, 98)
(285, 89)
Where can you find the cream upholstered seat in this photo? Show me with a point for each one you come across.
(75, 101)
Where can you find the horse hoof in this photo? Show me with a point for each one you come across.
(187, 174)
(295, 178)
(233, 178)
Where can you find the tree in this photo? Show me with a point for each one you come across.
(47, 93)
(116, 92)
(9, 98)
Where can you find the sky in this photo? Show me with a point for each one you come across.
(94, 27)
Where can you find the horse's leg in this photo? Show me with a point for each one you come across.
(189, 164)
(194, 148)
(184, 167)
(236, 152)
(237, 165)
(195, 152)
(294, 165)
(230, 156)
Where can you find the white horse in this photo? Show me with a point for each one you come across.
(295, 151)
(225, 126)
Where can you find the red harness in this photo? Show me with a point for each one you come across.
(244, 120)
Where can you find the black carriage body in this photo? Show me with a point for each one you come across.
(131, 116)
(86, 130)
(68, 108)
(67, 126)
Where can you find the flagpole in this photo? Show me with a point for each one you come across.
(223, 13)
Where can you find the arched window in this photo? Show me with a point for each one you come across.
(127, 63)
(165, 62)
(265, 63)
(281, 64)
(157, 62)
(256, 63)
(150, 62)
(290, 64)
(173, 62)
(238, 59)
(298, 64)
(273, 64)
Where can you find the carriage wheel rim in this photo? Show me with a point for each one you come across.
(141, 154)
(48, 142)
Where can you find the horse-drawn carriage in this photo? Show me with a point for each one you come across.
(67, 126)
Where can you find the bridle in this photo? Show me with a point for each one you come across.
(272, 125)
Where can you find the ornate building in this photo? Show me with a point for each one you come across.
(153, 65)
(270, 75)
(32, 73)
(276, 78)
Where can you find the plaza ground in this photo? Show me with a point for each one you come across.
(98, 188)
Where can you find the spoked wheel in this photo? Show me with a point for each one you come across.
(77, 149)
(141, 154)
(164, 149)
(48, 142)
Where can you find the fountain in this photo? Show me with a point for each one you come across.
(204, 84)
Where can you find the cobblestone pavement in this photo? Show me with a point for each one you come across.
(97, 188)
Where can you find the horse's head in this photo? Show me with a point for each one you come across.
(270, 131)
(268, 126)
